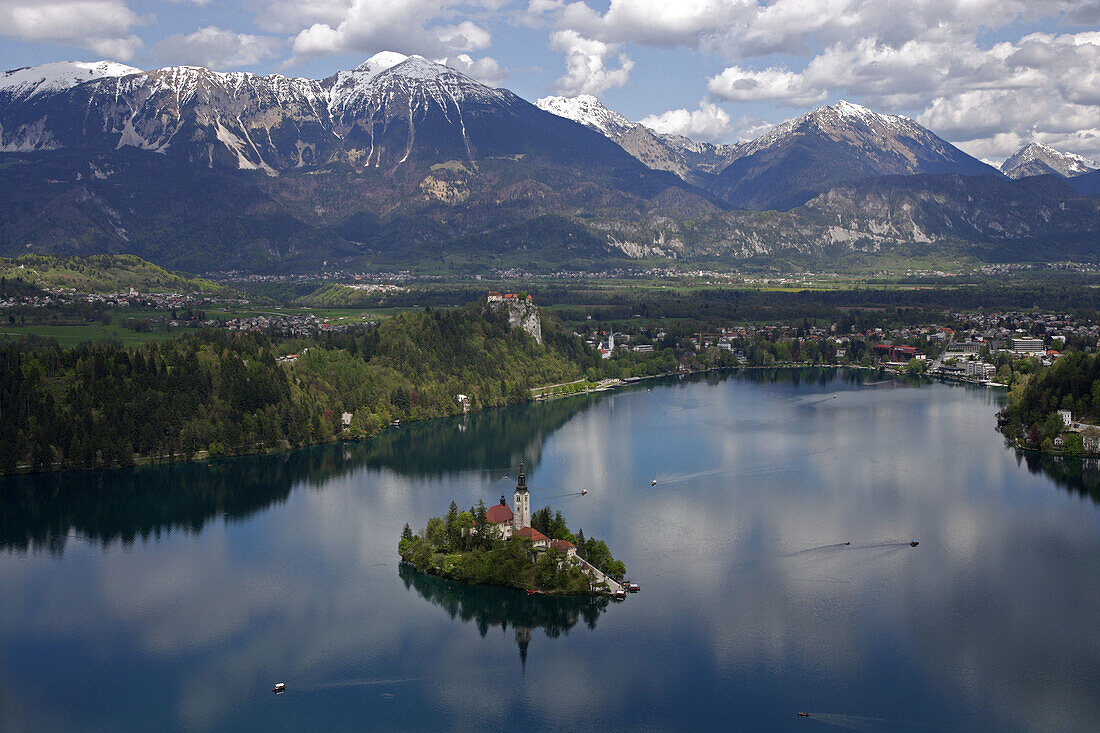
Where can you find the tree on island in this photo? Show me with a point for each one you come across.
(465, 546)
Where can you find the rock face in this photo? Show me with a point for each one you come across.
(1036, 159)
(522, 313)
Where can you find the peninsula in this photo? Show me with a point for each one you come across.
(510, 546)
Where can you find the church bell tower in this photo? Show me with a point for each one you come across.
(521, 508)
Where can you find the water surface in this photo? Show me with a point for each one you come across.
(171, 598)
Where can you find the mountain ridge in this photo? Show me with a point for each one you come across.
(1037, 159)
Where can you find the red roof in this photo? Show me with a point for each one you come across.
(562, 545)
(499, 514)
(532, 534)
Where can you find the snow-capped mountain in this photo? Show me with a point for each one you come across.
(803, 157)
(1037, 159)
(694, 162)
(390, 110)
(58, 76)
(590, 112)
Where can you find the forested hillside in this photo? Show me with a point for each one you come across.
(99, 405)
(1071, 383)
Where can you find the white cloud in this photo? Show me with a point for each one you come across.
(367, 26)
(709, 122)
(465, 36)
(586, 64)
(104, 26)
(486, 69)
(217, 48)
(744, 85)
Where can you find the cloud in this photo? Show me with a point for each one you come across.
(465, 36)
(104, 26)
(709, 122)
(367, 26)
(657, 23)
(217, 48)
(586, 64)
(486, 69)
(736, 84)
(1043, 86)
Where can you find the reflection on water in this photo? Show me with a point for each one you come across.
(200, 585)
(490, 606)
(46, 511)
(1076, 475)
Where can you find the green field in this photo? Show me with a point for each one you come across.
(72, 335)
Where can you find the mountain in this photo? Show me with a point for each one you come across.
(951, 216)
(806, 156)
(1036, 159)
(1086, 184)
(402, 163)
(386, 160)
(694, 162)
(390, 111)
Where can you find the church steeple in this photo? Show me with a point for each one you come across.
(521, 508)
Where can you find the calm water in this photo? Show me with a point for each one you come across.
(173, 597)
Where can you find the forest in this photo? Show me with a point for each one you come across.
(1071, 383)
(222, 392)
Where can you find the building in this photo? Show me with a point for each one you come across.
(513, 521)
(898, 353)
(565, 546)
(1028, 346)
(979, 369)
(538, 539)
(1067, 417)
(966, 347)
(502, 517)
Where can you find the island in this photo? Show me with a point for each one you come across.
(510, 546)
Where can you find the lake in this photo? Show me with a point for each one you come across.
(174, 597)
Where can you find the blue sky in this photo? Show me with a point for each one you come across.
(988, 75)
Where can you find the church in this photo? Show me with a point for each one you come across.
(517, 520)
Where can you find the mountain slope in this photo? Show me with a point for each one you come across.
(390, 111)
(989, 218)
(804, 157)
(1036, 159)
(694, 162)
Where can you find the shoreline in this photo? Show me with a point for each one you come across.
(518, 589)
(602, 386)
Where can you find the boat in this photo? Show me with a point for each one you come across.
(803, 715)
(654, 482)
(280, 687)
(584, 492)
(914, 543)
(632, 587)
(618, 594)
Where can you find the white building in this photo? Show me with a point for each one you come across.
(1028, 346)
(979, 369)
